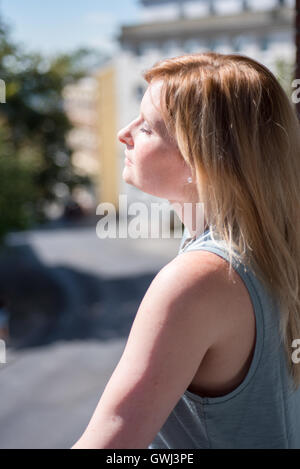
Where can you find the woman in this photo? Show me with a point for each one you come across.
(209, 360)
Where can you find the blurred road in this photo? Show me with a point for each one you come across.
(51, 385)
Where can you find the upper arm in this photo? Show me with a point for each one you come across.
(175, 325)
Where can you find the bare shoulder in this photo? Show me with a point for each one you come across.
(211, 270)
(201, 260)
(191, 269)
(202, 277)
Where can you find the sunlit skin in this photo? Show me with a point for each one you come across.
(153, 161)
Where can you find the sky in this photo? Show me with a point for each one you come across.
(53, 26)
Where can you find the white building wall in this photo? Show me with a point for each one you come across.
(198, 8)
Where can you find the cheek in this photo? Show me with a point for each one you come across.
(148, 158)
(157, 164)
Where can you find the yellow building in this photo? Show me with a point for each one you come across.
(90, 106)
(107, 132)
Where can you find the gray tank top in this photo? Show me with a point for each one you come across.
(262, 411)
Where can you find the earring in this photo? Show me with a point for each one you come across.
(189, 180)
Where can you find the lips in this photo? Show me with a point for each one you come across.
(127, 160)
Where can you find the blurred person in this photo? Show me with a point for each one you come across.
(208, 361)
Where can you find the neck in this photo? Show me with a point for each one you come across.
(192, 216)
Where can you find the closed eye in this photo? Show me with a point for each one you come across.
(145, 131)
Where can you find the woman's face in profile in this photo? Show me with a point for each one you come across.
(153, 162)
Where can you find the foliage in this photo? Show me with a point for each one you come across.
(19, 193)
(34, 153)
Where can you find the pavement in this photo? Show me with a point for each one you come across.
(66, 348)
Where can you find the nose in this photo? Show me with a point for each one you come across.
(124, 135)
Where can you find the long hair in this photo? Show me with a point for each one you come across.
(238, 131)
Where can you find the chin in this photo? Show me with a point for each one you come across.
(126, 176)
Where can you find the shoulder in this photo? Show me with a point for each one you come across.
(201, 260)
(195, 284)
(207, 288)
(194, 269)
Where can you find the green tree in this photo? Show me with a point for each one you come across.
(18, 193)
(34, 153)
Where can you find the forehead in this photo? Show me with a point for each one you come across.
(150, 106)
(151, 98)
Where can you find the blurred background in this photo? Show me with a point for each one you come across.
(72, 77)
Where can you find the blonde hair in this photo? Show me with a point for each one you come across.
(237, 129)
